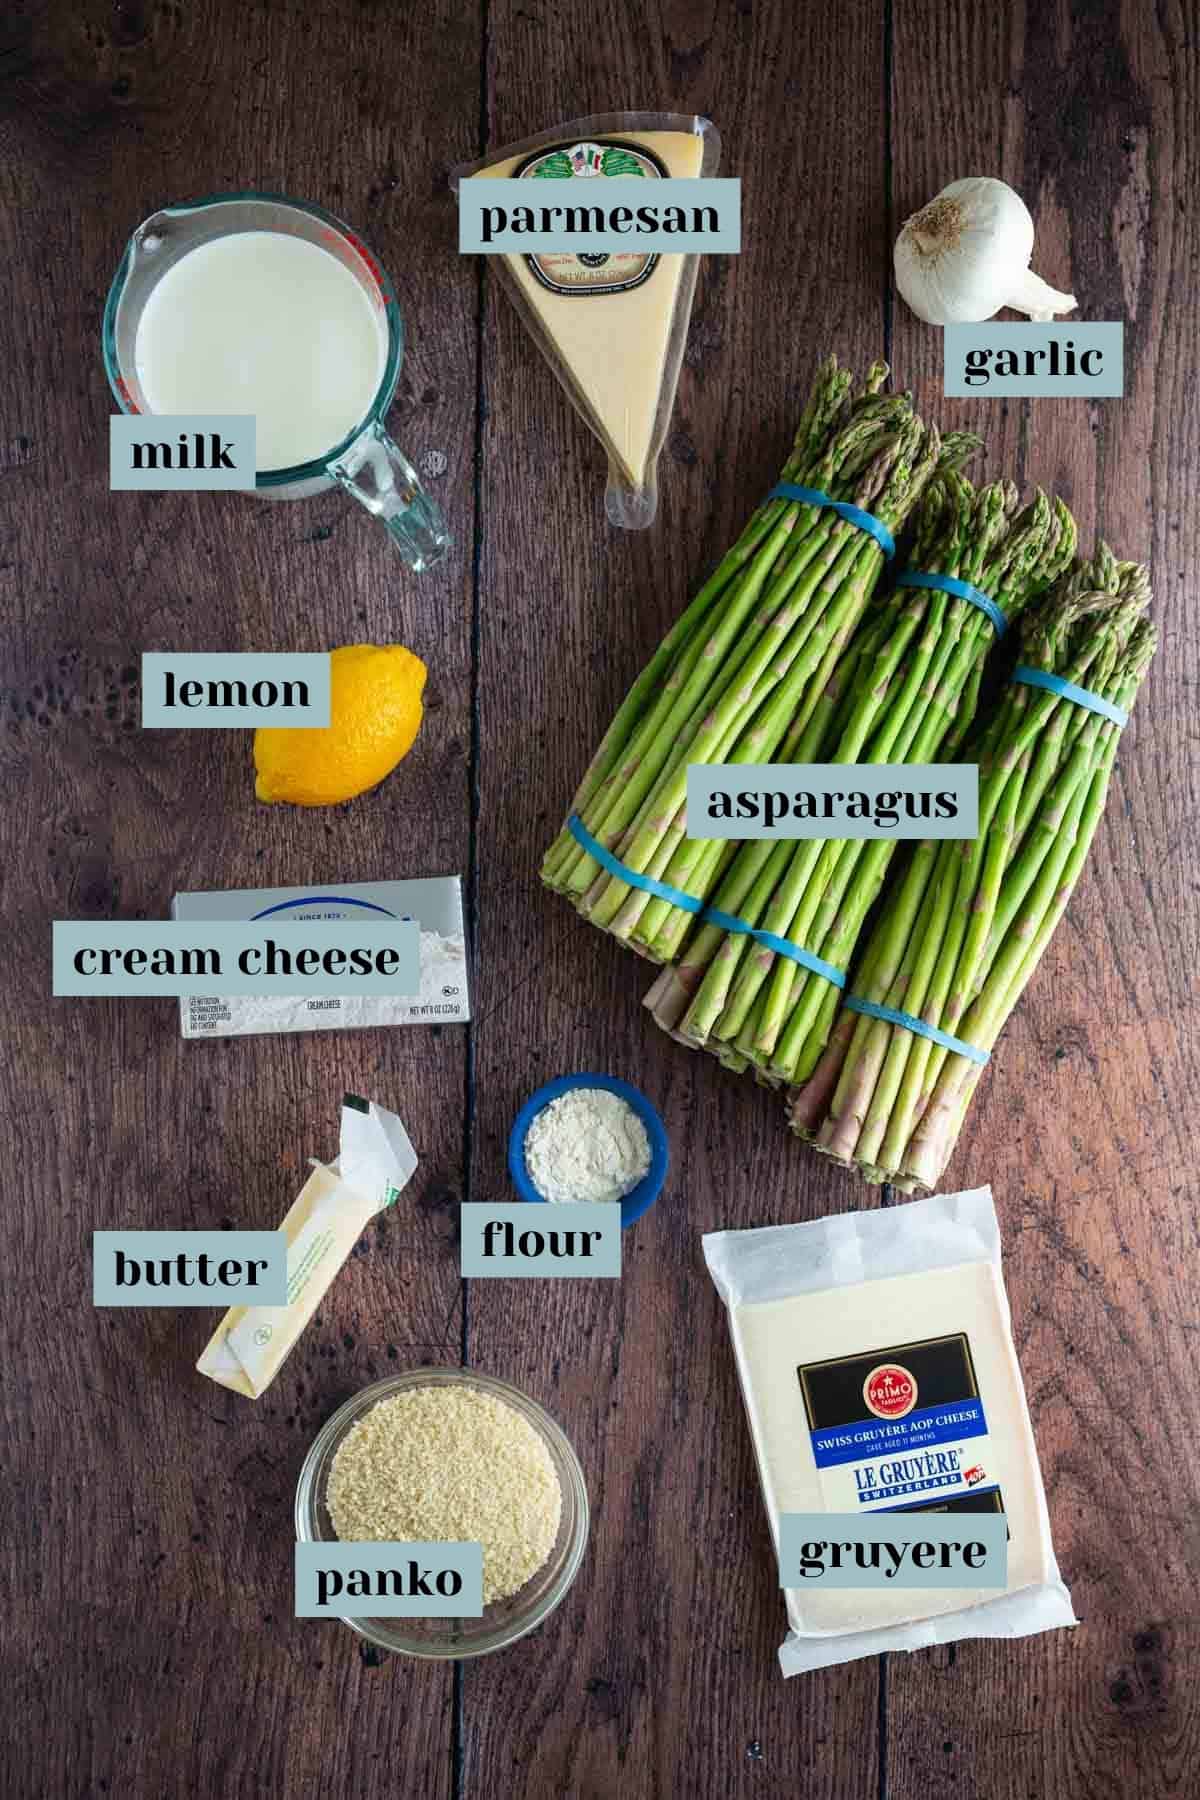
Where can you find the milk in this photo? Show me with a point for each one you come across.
(259, 322)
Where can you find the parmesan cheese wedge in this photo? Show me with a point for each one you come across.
(613, 326)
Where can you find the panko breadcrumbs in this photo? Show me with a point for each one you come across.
(438, 1464)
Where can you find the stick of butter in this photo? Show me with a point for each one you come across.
(375, 1162)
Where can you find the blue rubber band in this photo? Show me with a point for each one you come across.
(1054, 684)
(892, 1016)
(781, 946)
(676, 897)
(788, 490)
(962, 590)
(609, 862)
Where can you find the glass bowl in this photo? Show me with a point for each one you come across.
(503, 1621)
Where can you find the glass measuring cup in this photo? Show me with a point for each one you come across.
(366, 462)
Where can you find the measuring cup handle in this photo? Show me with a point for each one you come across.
(377, 472)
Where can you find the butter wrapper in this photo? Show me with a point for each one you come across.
(375, 1162)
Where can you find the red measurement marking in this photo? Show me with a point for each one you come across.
(376, 271)
(337, 241)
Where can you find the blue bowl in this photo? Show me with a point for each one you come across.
(639, 1199)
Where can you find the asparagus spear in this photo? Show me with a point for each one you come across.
(773, 671)
(926, 655)
(961, 936)
(751, 652)
(749, 726)
(1049, 790)
(652, 696)
(663, 926)
(658, 925)
(858, 869)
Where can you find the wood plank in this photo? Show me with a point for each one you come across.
(1080, 1124)
(155, 1567)
(660, 1674)
(151, 1637)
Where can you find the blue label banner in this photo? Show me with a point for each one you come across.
(189, 1268)
(505, 1238)
(918, 1430)
(832, 800)
(227, 691)
(882, 1550)
(1065, 357)
(516, 217)
(178, 452)
(382, 1580)
(268, 956)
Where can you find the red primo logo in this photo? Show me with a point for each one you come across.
(890, 1391)
(974, 1475)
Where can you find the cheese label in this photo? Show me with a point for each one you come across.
(596, 271)
(900, 1428)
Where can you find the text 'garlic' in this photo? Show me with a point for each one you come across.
(966, 254)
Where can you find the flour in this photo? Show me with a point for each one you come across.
(586, 1145)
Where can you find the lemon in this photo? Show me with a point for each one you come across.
(374, 716)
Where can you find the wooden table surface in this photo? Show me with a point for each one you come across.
(148, 1643)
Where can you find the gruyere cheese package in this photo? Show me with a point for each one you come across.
(877, 1367)
(612, 326)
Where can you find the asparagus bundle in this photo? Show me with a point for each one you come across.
(912, 696)
(961, 936)
(742, 675)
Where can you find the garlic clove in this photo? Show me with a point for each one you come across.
(1036, 297)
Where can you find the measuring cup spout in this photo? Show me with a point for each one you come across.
(152, 232)
(379, 475)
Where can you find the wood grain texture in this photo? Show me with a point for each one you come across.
(1081, 1124)
(153, 1579)
(662, 1677)
(147, 1645)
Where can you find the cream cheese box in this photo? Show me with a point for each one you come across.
(434, 902)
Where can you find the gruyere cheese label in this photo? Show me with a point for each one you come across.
(901, 1428)
(597, 271)
(940, 1409)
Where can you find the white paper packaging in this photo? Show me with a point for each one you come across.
(435, 902)
(918, 1284)
(323, 1224)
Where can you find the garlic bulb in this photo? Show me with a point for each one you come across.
(966, 254)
